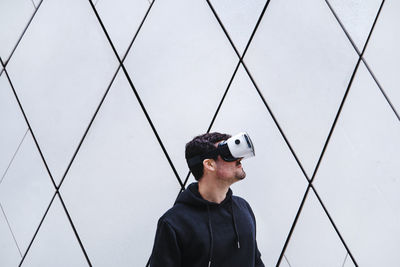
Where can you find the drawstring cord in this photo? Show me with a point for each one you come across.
(211, 236)
(234, 224)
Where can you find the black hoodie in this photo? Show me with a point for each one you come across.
(199, 233)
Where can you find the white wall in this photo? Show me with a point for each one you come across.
(98, 98)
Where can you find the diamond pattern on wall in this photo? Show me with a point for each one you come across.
(122, 19)
(357, 17)
(348, 262)
(25, 192)
(314, 241)
(359, 177)
(55, 244)
(122, 179)
(382, 53)
(284, 263)
(13, 126)
(14, 15)
(274, 203)
(69, 63)
(61, 65)
(239, 18)
(185, 60)
(37, 2)
(302, 62)
(9, 253)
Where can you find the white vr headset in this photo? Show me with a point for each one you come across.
(237, 147)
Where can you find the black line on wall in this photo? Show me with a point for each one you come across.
(154, 130)
(136, 93)
(345, 95)
(12, 232)
(255, 29)
(233, 75)
(13, 157)
(335, 120)
(345, 258)
(148, 262)
(225, 31)
(229, 84)
(323, 152)
(329, 137)
(287, 260)
(186, 180)
(2, 67)
(223, 97)
(296, 218)
(96, 112)
(30, 128)
(363, 59)
(37, 230)
(74, 229)
(23, 33)
(272, 115)
(76, 151)
(5, 172)
(334, 225)
(47, 168)
(237, 53)
(70, 221)
(87, 129)
(101, 103)
(381, 88)
(33, 3)
(253, 81)
(48, 171)
(137, 31)
(152, 126)
(276, 123)
(342, 26)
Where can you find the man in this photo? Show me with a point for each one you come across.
(208, 226)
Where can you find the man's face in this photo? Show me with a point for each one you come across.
(230, 171)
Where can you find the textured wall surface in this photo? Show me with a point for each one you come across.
(99, 97)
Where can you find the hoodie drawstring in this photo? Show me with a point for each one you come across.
(211, 236)
(211, 233)
(234, 224)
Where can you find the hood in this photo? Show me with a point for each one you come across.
(192, 197)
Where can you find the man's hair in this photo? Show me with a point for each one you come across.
(200, 145)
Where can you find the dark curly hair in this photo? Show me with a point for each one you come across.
(200, 145)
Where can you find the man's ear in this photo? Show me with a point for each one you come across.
(209, 164)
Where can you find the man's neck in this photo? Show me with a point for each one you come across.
(213, 190)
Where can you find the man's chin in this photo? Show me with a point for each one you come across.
(242, 176)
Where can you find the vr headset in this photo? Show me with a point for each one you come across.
(237, 147)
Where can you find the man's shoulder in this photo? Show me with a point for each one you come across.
(175, 213)
(171, 212)
(243, 205)
(241, 202)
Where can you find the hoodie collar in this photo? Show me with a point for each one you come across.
(191, 196)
